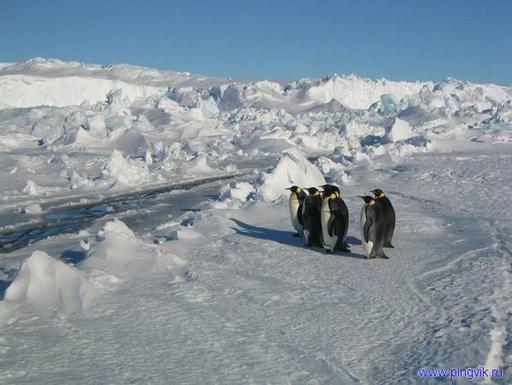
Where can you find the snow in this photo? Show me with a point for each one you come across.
(46, 284)
(400, 130)
(117, 251)
(241, 191)
(144, 219)
(33, 208)
(125, 171)
(292, 169)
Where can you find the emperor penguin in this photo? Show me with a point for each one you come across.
(388, 215)
(334, 218)
(312, 229)
(297, 196)
(372, 228)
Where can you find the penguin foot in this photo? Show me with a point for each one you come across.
(383, 256)
(389, 245)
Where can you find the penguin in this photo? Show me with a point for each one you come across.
(297, 196)
(312, 224)
(372, 228)
(334, 218)
(388, 213)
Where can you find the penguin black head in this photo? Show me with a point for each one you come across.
(367, 199)
(330, 189)
(294, 189)
(313, 191)
(378, 193)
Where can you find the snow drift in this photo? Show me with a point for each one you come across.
(292, 169)
(117, 251)
(46, 284)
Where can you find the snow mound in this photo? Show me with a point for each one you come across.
(46, 284)
(239, 191)
(333, 171)
(33, 208)
(198, 165)
(292, 169)
(33, 189)
(184, 233)
(125, 171)
(355, 92)
(400, 130)
(117, 251)
(30, 91)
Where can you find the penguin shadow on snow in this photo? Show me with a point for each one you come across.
(287, 238)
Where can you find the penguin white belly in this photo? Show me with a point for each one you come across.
(293, 205)
(329, 242)
(366, 245)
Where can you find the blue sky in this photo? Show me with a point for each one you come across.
(280, 39)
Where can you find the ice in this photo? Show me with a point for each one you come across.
(241, 191)
(184, 234)
(33, 208)
(116, 250)
(126, 171)
(198, 165)
(45, 284)
(161, 198)
(292, 169)
(400, 130)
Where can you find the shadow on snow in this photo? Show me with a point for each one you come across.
(286, 237)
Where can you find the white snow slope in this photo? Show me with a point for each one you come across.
(114, 271)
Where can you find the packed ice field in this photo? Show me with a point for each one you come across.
(145, 235)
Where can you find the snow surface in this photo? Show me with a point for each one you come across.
(129, 257)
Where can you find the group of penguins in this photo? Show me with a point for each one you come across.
(322, 219)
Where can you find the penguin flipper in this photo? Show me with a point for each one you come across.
(299, 214)
(367, 227)
(330, 225)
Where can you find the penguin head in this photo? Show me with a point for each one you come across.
(330, 189)
(294, 189)
(378, 193)
(367, 199)
(313, 191)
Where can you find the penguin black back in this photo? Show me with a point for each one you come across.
(372, 228)
(388, 216)
(335, 218)
(311, 217)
